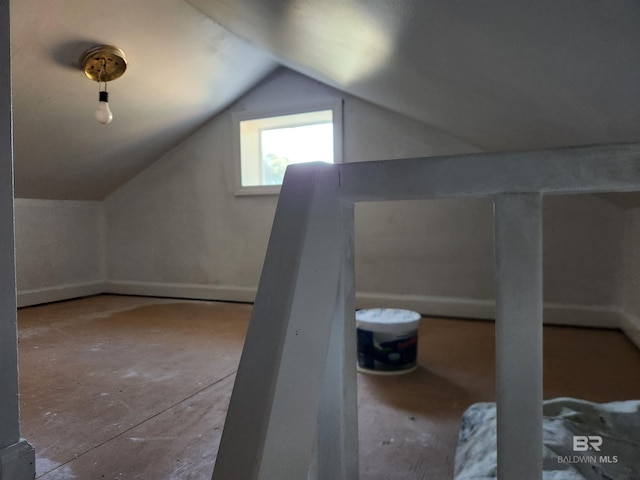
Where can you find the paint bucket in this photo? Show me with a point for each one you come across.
(387, 340)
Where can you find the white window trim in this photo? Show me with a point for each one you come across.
(334, 105)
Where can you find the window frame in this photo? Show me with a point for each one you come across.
(336, 107)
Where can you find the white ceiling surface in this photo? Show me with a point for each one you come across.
(499, 74)
(183, 68)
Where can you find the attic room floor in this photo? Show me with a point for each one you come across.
(120, 387)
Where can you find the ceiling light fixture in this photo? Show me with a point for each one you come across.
(103, 63)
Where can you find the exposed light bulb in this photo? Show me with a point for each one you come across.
(103, 112)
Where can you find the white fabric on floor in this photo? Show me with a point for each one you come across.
(616, 423)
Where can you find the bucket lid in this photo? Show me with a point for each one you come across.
(387, 319)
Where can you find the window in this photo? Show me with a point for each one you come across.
(269, 141)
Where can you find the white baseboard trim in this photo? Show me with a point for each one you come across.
(432, 306)
(631, 328)
(554, 313)
(595, 316)
(183, 290)
(57, 293)
(450, 307)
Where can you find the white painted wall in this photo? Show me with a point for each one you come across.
(177, 229)
(583, 258)
(630, 291)
(180, 224)
(437, 256)
(59, 249)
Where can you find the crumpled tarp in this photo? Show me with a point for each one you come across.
(616, 423)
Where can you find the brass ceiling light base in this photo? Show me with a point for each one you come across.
(103, 63)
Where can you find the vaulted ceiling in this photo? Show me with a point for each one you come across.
(499, 74)
(183, 68)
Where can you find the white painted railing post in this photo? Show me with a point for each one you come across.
(9, 426)
(17, 457)
(518, 280)
(272, 419)
(338, 418)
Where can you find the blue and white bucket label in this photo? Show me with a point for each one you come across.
(387, 351)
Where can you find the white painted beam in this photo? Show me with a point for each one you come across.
(613, 168)
(518, 278)
(272, 419)
(9, 420)
(17, 457)
(338, 416)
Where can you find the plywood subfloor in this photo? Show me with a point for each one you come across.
(116, 387)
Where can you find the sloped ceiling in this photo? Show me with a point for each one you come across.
(183, 68)
(499, 74)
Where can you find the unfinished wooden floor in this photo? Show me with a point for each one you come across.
(116, 387)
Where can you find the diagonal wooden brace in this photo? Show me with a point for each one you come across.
(272, 420)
